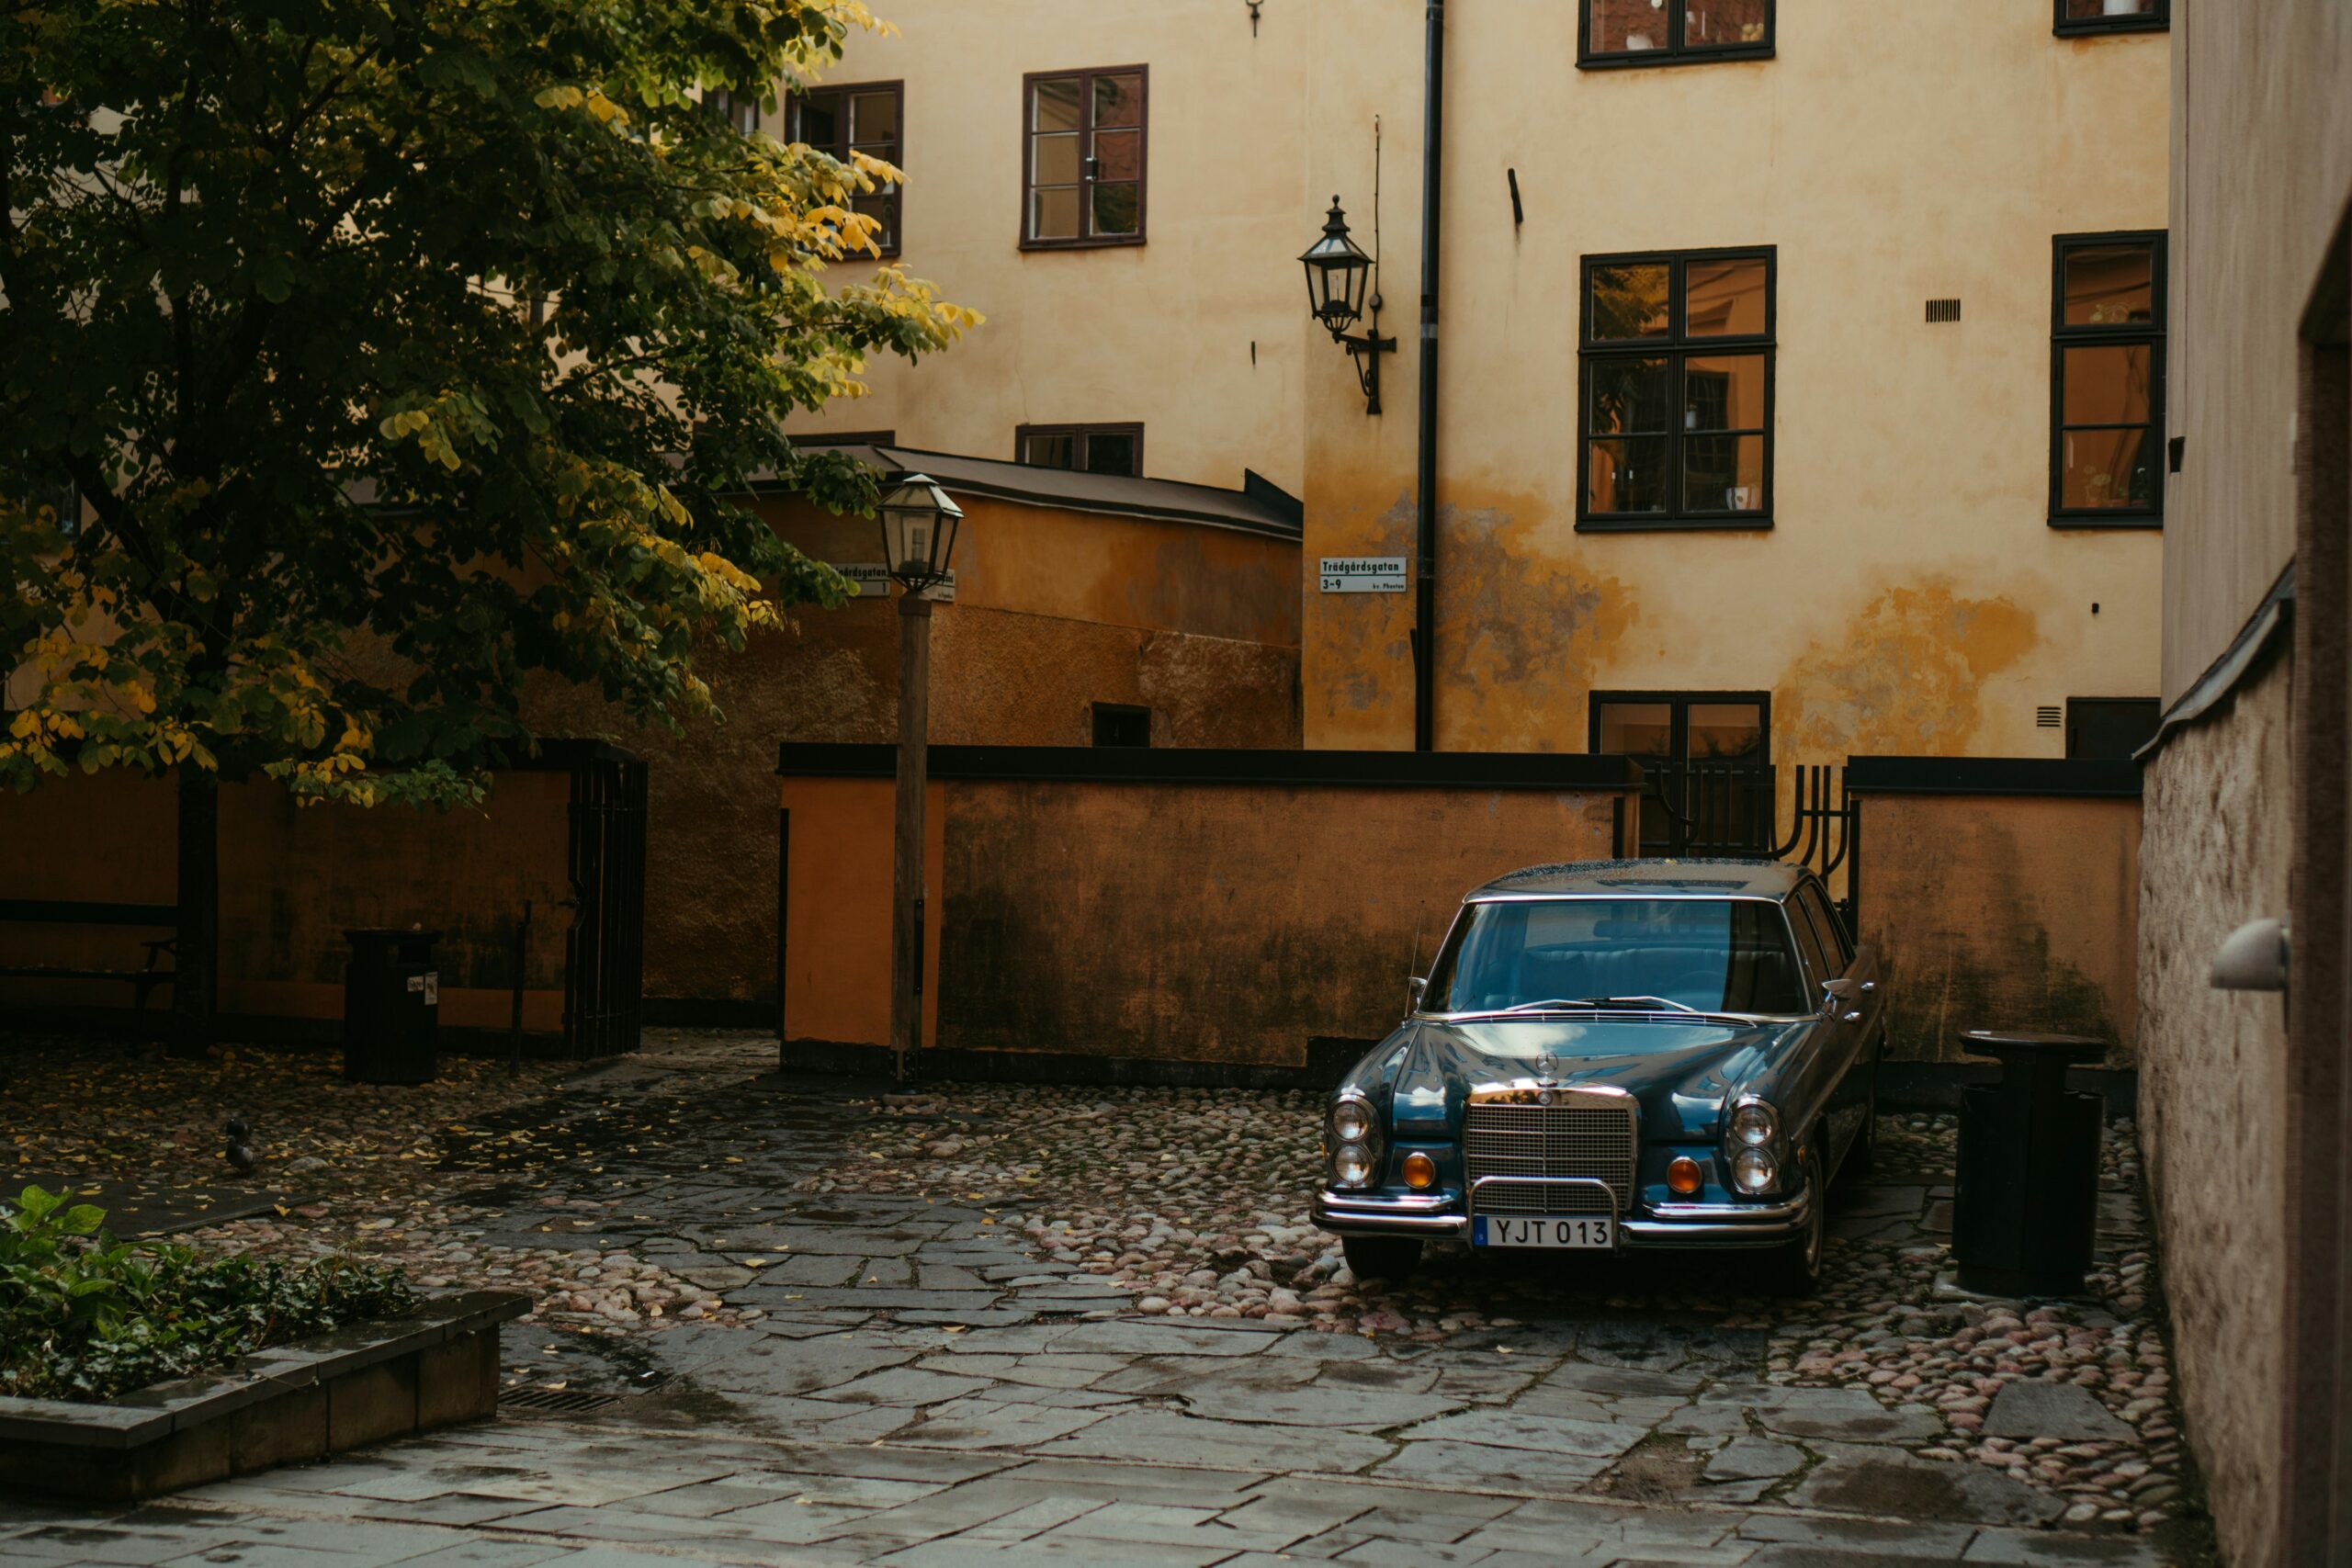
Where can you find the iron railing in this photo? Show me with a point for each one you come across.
(603, 971)
(1734, 809)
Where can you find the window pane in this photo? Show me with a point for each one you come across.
(820, 123)
(883, 207)
(1118, 209)
(1118, 100)
(2086, 10)
(1118, 156)
(1111, 454)
(1724, 298)
(1723, 392)
(2107, 385)
(2111, 286)
(1724, 24)
(1723, 473)
(1052, 160)
(1629, 301)
(1623, 27)
(1637, 729)
(1629, 395)
(2106, 469)
(1050, 450)
(1053, 214)
(1628, 474)
(874, 117)
(1054, 105)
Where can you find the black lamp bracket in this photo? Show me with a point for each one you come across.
(1366, 351)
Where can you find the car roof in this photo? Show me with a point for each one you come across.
(1720, 878)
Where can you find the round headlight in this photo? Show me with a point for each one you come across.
(1352, 1120)
(1753, 1170)
(1352, 1165)
(1754, 1123)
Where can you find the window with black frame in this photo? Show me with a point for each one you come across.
(2107, 381)
(1083, 448)
(1677, 397)
(2113, 16)
(1706, 761)
(865, 118)
(1613, 33)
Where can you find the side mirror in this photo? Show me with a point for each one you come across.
(1835, 993)
(1414, 988)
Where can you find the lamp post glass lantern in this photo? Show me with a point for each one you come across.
(918, 523)
(1337, 273)
(919, 527)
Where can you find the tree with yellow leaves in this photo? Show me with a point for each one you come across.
(394, 351)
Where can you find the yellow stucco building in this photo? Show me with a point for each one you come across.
(1802, 365)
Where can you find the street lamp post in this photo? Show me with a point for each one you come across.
(919, 527)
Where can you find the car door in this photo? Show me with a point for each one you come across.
(1857, 1013)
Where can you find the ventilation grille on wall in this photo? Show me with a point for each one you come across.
(1943, 309)
(2048, 718)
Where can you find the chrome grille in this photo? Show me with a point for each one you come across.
(1505, 1196)
(1578, 1138)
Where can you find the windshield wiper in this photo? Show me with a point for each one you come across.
(1599, 1002)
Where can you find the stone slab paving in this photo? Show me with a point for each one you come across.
(918, 1372)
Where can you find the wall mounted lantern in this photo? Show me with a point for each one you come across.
(919, 527)
(1337, 273)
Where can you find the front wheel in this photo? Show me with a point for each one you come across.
(1380, 1257)
(1796, 1268)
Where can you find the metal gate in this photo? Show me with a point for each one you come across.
(604, 952)
(1734, 809)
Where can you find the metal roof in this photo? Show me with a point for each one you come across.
(1262, 508)
(1726, 878)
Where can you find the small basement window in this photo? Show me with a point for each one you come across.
(1120, 724)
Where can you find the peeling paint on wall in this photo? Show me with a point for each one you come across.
(1903, 678)
(1523, 633)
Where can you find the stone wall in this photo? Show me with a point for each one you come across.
(2213, 1091)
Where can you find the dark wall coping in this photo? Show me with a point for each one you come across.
(2099, 778)
(148, 1414)
(1170, 765)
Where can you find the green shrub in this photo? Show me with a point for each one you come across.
(85, 1316)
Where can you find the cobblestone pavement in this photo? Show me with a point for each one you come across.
(789, 1323)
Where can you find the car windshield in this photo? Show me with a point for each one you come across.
(1708, 954)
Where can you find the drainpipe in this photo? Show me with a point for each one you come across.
(1425, 522)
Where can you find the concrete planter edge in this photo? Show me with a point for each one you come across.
(292, 1403)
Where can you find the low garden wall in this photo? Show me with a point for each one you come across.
(1142, 910)
(285, 1405)
(2000, 893)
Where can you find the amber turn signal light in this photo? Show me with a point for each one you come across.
(1419, 1171)
(1683, 1176)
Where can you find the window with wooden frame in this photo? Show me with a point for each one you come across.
(2113, 16)
(741, 111)
(867, 117)
(2107, 381)
(1612, 33)
(1676, 403)
(1084, 448)
(1082, 157)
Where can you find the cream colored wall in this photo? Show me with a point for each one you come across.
(1911, 596)
(1159, 332)
(2262, 156)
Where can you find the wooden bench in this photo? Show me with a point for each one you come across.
(70, 912)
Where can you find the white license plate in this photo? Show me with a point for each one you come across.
(1592, 1231)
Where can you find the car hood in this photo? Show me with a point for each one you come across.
(1682, 1072)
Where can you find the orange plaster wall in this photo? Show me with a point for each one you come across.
(292, 880)
(1185, 922)
(2015, 912)
(837, 932)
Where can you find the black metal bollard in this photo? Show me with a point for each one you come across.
(391, 1008)
(2025, 1210)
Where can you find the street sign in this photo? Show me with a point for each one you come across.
(871, 581)
(1363, 574)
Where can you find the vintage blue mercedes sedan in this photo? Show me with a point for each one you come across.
(1616, 1055)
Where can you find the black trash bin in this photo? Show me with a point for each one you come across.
(391, 1008)
(2025, 1210)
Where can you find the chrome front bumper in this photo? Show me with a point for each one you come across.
(1663, 1225)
